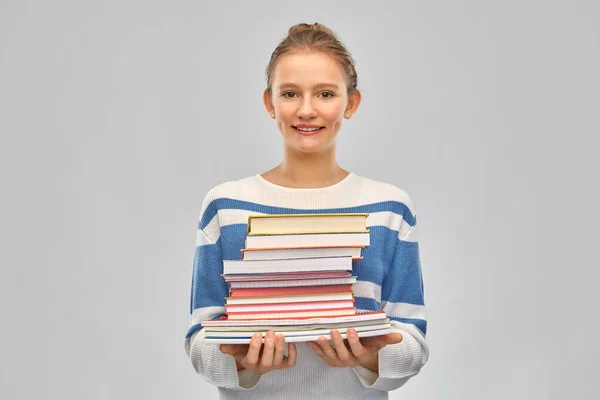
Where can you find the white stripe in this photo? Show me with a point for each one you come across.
(404, 310)
(212, 229)
(367, 289)
(385, 218)
(393, 221)
(408, 233)
(235, 216)
(202, 313)
(202, 239)
(367, 190)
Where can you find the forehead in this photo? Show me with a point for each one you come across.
(307, 68)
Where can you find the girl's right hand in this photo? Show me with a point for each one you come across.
(249, 356)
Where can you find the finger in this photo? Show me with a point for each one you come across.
(228, 348)
(269, 348)
(291, 357)
(355, 345)
(279, 350)
(325, 346)
(316, 348)
(252, 356)
(340, 347)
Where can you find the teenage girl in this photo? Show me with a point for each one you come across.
(311, 90)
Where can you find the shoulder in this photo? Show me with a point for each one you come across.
(374, 191)
(233, 189)
(225, 195)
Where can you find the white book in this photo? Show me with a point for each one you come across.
(359, 316)
(297, 265)
(307, 240)
(293, 282)
(297, 332)
(299, 338)
(301, 252)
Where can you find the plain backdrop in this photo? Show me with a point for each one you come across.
(118, 116)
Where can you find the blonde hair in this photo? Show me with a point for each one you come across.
(314, 37)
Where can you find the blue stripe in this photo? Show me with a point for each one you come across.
(233, 239)
(366, 303)
(208, 286)
(404, 282)
(419, 323)
(227, 203)
(377, 257)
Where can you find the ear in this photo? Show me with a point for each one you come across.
(353, 103)
(268, 103)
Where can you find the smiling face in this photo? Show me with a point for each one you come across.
(309, 100)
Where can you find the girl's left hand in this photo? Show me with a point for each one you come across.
(364, 351)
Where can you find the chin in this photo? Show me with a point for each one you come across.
(311, 149)
(309, 145)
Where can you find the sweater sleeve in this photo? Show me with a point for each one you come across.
(402, 296)
(207, 301)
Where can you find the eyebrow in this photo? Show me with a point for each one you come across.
(317, 86)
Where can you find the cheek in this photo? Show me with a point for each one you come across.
(285, 111)
(333, 111)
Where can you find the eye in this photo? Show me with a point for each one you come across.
(326, 95)
(288, 95)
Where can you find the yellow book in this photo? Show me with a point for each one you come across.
(281, 224)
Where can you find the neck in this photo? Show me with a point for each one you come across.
(302, 170)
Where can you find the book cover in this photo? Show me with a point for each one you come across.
(306, 223)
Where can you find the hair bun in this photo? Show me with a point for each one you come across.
(298, 28)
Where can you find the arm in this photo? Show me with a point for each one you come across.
(207, 301)
(402, 298)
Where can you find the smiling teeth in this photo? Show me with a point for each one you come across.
(308, 129)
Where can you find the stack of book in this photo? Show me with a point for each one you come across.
(295, 278)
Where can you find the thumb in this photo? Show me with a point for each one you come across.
(230, 349)
(393, 338)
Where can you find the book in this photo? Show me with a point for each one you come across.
(306, 326)
(292, 282)
(276, 291)
(291, 307)
(288, 275)
(293, 331)
(231, 267)
(290, 299)
(302, 252)
(292, 313)
(296, 298)
(306, 223)
(308, 240)
(293, 338)
(361, 316)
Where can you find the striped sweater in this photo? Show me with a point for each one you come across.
(389, 278)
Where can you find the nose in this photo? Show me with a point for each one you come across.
(306, 109)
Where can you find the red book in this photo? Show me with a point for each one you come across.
(291, 314)
(297, 306)
(289, 291)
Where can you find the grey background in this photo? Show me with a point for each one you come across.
(118, 116)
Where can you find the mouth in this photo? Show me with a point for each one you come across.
(308, 130)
